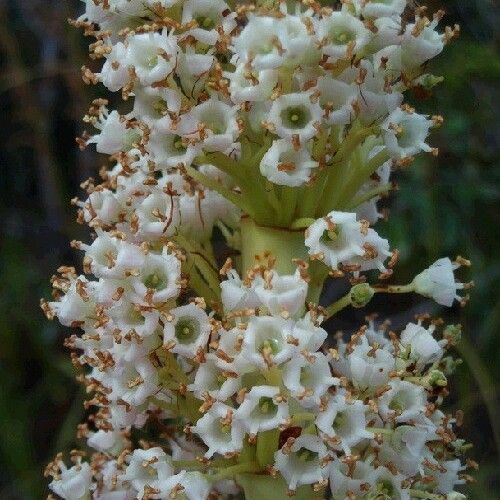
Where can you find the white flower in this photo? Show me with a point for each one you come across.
(367, 367)
(111, 257)
(406, 446)
(388, 32)
(115, 135)
(192, 70)
(152, 55)
(194, 486)
(373, 100)
(153, 104)
(303, 462)
(335, 238)
(285, 166)
(77, 304)
(260, 411)
(424, 348)
(251, 85)
(214, 123)
(297, 42)
(309, 336)
(110, 487)
(157, 215)
(114, 73)
(337, 99)
(236, 295)
(106, 441)
(338, 238)
(131, 317)
(308, 378)
(343, 33)
(266, 341)
(343, 479)
(131, 382)
(73, 483)
(404, 401)
(259, 43)
(170, 150)
(344, 423)
(209, 15)
(448, 478)
(189, 330)
(219, 382)
(220, 431)
(405, 133)
(160, 274)
(438, 282)
(380, 8)
(284, 293)
(103, 205)
(417, 48)
(148, 468)
(385, 484)
(295, 114)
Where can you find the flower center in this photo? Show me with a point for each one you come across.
(160, 107)
(296, 117)
(153, 280)
(178, 145)
(186, 330)
(267, 406)
(271, 345)
(385, 488)
(306, 455)
(152, 61)
(205, 22)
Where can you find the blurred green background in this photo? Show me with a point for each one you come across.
(445, 206)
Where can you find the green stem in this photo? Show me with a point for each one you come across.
(235, 469)
(359, 176)
(302, 223)
(284, 244)
(409, 288)
(358, 200)
(337, 306)
(341, 160)
(267, 444)
(215, 185)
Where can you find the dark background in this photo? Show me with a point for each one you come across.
(445, 206)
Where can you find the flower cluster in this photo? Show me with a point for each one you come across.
(267, 132)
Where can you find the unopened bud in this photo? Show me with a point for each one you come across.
(361, 294)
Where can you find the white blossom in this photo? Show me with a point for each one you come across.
(188, 329)
(302, 462)
(73, 483)
(284, 166)
(220, 430)
(261, 411)
(344, 423)
(438, 282)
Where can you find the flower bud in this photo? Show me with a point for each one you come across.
(361, 294)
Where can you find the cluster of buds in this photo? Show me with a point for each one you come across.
(276, 125)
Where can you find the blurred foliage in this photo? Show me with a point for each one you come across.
(445, 206)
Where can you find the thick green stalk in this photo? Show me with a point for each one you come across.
(282, 243)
